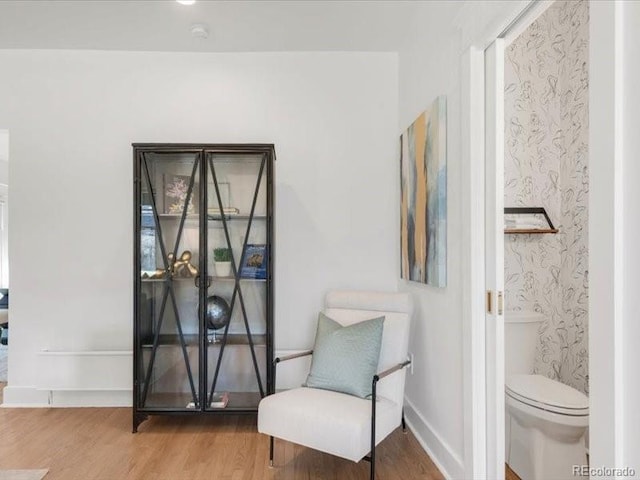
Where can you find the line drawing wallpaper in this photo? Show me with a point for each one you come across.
(546, 164)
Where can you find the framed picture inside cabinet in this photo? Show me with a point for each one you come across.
(213, 207)
(176, 188)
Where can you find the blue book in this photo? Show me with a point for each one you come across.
(254, 263)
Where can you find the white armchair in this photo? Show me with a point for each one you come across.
(344, 425)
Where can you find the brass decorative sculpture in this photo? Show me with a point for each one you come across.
(159, 273)
(182, 267)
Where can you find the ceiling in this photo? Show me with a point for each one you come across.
(234, 26)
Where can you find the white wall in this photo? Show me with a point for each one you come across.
(4, 207)
(4, 157)
(72, 117)
(429, 66)
(631, 173)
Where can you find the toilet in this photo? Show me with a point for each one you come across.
(545, 420)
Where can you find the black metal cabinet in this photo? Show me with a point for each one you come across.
(203, 278)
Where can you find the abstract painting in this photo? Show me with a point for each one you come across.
(423, 197)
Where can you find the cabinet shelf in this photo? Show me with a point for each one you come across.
(218, 218)
(211, 218)
(232, 279)
(163, 280)
(178, 216)
(166, 401)
(214, 279)
(169, 340)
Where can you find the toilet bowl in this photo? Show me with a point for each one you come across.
(545, 420)
(545, 426)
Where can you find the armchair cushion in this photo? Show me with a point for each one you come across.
(345, 358)
(329, 421)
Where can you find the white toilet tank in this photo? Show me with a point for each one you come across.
(520, 341)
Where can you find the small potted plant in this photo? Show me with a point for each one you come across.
(222, 261)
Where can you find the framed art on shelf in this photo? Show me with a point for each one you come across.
(225, 196)
(176, 188)
(254, 263)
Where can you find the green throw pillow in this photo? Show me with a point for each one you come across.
(345, 359)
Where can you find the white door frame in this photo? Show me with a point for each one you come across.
(494, 257)
(606, 229)
(473, 177)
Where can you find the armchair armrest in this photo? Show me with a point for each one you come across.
(277, 360)
(389, 371)
(291, 357)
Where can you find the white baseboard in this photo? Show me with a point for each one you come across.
(24, 397)
(32, 397)
(91, 398)
(447, 461)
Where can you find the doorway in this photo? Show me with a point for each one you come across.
(536, 119)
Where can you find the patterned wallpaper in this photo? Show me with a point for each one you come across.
(546, 164)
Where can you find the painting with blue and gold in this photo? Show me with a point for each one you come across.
(423, 197)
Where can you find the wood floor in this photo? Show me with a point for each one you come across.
(510, 474)
(97, 443)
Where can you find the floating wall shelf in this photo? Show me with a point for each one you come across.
(525, 227)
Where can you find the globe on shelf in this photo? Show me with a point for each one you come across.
(218, 312)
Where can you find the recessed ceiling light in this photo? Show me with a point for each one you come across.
(186, 2)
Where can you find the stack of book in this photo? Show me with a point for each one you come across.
(525, 223)
(219, 400)
(225, 210)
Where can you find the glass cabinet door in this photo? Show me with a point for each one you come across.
(237, 263)
(169, 263)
